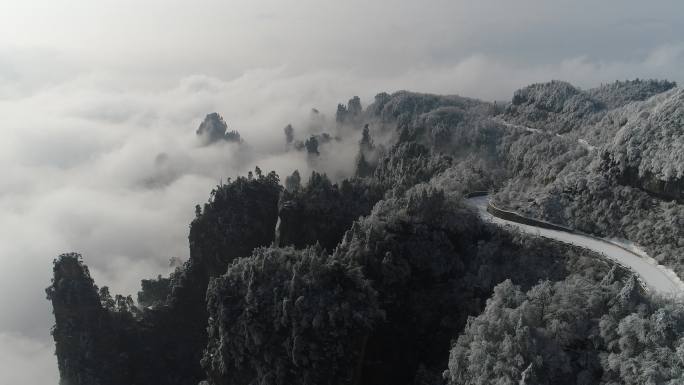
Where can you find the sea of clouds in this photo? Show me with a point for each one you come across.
(99, 105)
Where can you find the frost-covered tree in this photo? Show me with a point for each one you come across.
(293, 182)
(311, 146)
(289, 133)
(366, 159)
(284, 316)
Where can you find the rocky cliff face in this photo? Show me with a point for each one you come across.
(100, 343)
(98, 339)
(240, 216)
(671, 189)
(79, 315)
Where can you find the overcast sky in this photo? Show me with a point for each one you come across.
(99, 101)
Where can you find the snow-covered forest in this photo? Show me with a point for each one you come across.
(388, 276)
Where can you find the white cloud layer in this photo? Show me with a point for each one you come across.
(99, 102)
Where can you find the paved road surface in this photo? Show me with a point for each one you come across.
(657, 278)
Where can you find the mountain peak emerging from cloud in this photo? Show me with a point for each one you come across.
(215, 129)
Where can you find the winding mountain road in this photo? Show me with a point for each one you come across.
(582, 142)
(657, 278)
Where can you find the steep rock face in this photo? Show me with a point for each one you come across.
(78, 315)
(672, 189)
(241, 216)
(96, 337)
(101, 341)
